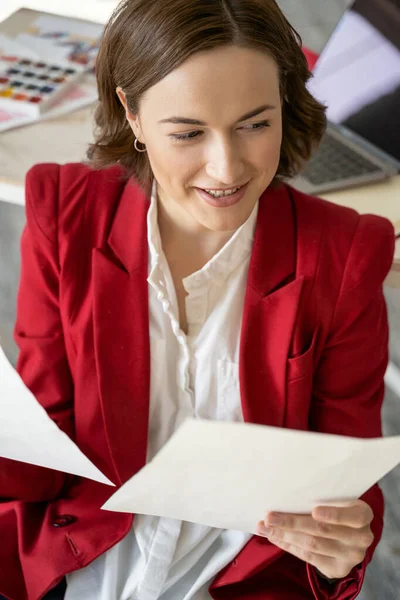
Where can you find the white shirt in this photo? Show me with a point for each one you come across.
(191, 375)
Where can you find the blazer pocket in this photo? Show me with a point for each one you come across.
(302, 364)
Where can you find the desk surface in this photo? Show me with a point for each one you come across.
(382, 198)
(18, 148)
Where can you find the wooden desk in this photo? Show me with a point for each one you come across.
(60, 141)
(393, 279)
(382, 198)
(379, 199)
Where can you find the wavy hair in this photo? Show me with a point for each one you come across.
(145, 40)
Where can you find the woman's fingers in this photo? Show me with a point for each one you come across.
(309, 543)
(333, 539)
(358, 515)
(327, 565)
(308, 525)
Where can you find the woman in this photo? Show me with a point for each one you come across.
(151, 291)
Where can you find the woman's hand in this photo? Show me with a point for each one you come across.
(333, 539)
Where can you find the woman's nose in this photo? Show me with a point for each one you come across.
(225, 163)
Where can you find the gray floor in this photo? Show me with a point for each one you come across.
(314, 20)
(12, 219)
(382, 581)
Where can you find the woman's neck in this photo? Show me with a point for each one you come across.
(188, 247)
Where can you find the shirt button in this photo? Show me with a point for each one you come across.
(63, 520)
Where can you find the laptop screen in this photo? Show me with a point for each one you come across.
(358, 73)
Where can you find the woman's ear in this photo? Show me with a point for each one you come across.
(132, 120)
(122, 97)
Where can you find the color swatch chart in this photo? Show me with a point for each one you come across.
(34, 85)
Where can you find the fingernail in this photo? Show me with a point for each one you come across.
(273, 519)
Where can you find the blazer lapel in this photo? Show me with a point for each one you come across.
(121, 333)
(271, 305)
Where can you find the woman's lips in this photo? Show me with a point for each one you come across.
(223, 201)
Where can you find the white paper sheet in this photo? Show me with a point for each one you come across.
(29, 435)
(42, 48)
(10, 46)
(227, 475)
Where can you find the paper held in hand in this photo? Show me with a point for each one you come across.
(228, 475)
(221, 474)
(29, 435)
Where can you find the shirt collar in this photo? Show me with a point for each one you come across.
(220, 266)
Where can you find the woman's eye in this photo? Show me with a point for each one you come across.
(184, 136)
(193, 134)
(256, 126)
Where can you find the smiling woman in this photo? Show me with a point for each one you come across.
(174, 275)
(221, 105)
(236, 143)
(156, 78)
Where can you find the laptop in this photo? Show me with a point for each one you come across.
(358, 77)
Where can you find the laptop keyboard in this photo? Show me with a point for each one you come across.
(334, 160)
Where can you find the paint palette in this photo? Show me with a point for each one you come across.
(34, 85)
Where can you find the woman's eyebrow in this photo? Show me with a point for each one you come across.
(252, 113)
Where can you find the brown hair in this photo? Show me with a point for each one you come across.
(145, 40)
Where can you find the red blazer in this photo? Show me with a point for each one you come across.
(313, 355)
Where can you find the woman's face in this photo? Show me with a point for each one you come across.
(227, 149)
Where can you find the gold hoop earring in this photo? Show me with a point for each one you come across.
(139, 149)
